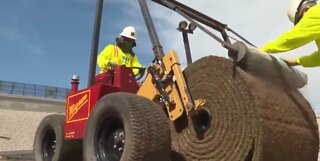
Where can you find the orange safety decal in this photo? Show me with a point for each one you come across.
(116, 54)
(70, 134)
(78, 106)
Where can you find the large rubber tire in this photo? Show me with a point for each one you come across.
(223, 128)
(49, 143)
(127, 127)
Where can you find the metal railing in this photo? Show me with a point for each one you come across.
(25, 89)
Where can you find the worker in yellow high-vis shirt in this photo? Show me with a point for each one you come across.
(305, 14)
(120, 54)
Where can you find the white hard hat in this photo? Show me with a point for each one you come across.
(292, 9)
(294, 6)
(129, 32)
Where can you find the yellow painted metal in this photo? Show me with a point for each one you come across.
(179, 97)
(199, 103)
(148, 89)
(172, 64)
(177, 110)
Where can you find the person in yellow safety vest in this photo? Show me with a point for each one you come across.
(305, 14)
(121, 53)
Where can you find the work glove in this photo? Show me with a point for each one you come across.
(290, 61)
(111, 64)
(142, 70)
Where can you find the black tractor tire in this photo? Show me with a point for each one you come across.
(49, 143)
(127, 127)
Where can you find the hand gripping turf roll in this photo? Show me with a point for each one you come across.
(246, 117)
(268, 67)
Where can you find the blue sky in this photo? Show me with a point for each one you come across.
(47, 41)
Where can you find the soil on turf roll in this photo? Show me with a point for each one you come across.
(245, 118)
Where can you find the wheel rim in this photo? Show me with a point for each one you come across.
(49, 145)
(110, 140)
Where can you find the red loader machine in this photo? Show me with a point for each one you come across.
(246, 108)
